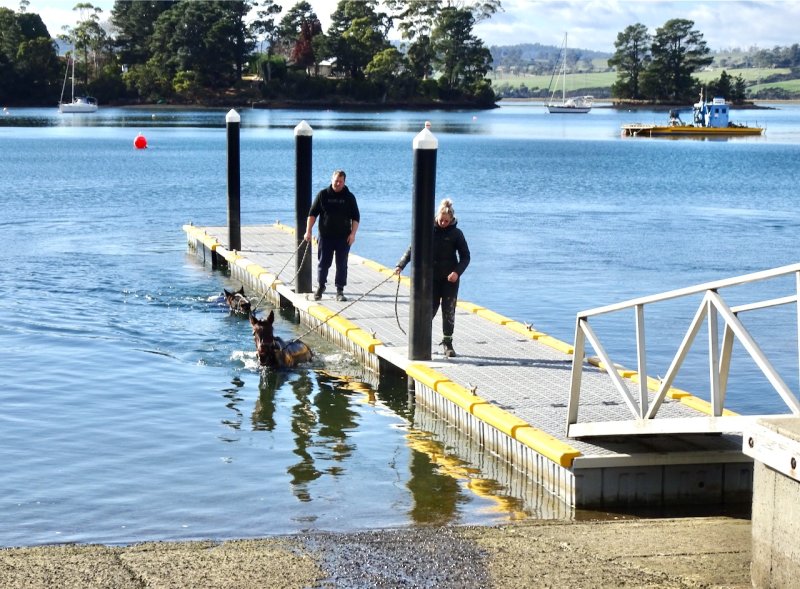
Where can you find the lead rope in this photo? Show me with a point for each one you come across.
(294, 253)
(300, 268)
(343, 309)
(396, 314)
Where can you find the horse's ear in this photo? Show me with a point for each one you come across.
(271, 317)
(253, 320)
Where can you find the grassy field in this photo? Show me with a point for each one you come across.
(791, 86)
(576, 82)
(748, 74)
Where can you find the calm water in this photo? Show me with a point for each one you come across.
(131, 408)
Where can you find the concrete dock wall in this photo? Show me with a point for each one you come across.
(775, 446)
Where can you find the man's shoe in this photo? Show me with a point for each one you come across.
(340, 295)
(318, 293)
(449, 352)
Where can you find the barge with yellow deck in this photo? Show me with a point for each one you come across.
(709, 120)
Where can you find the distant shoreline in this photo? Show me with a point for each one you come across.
(314, 105)
(638, 105)
(362, 107)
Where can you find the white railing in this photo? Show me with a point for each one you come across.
(642, 407)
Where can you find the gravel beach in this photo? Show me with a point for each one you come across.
(700, 552)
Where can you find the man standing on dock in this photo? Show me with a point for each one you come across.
(339, 218)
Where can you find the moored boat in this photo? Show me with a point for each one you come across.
(577, 105)
(708, 120)
(77, 104)
(566, 104)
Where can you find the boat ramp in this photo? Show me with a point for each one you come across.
(508, 388)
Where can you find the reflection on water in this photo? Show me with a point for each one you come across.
(512, 120)
(320, 424)
(264, 412)
(436, 493)
(494, 487)
(449, 477)
(234, 422)
(252, 119)
(303, 423)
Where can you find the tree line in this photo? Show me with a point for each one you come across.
(658, 68)
(190, 51)
(785, 57)
(187, 51)
(536, 59)
(650, 68)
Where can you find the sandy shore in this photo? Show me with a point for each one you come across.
(680, 553)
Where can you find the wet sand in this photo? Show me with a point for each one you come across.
(681, 553)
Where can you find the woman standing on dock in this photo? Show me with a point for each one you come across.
(450, 259)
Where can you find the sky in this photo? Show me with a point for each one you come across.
(590, 24)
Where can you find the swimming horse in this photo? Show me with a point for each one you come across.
(237, 301)
(272, 351)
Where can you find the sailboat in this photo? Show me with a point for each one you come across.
(79, 104)
(576, 104)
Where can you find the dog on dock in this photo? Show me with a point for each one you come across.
(272, 351)
(236, 300)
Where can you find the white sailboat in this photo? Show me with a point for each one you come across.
(78, 104)
(575, 104)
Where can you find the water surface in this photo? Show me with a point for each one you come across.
(131, 405)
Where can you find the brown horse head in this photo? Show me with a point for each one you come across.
(272, 351)
(237, 301)
(266, 346)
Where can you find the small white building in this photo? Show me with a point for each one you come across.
(324, 68)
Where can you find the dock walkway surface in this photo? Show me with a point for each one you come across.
(508, 387)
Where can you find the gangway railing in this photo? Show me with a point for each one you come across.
(644, 408)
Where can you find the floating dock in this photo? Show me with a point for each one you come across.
(507, 389)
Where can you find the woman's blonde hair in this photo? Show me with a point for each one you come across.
(446, 208)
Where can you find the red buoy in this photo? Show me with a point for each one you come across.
(140, 142)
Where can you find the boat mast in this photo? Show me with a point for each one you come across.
(64, 83)
(564, 73)
(73, 77)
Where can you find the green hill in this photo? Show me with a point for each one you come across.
(761, 82)
(525, 70)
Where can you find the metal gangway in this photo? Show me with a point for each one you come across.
(643, 396)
